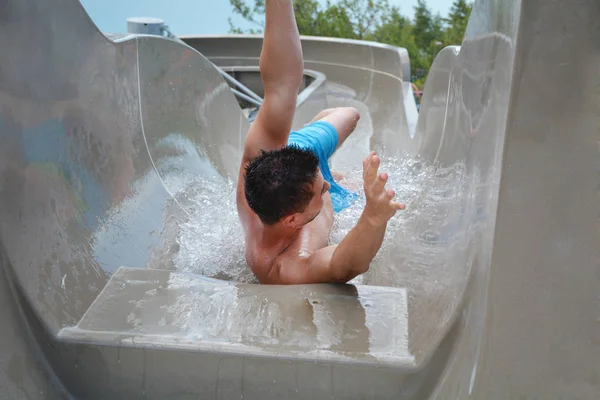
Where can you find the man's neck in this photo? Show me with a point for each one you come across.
(278, 235)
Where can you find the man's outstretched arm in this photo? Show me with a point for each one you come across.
(355, 252)
(281, 69)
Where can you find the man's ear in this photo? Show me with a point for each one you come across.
(292, 221)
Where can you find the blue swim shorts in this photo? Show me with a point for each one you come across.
(322, 138)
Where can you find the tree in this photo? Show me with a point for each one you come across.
(457, 21)
(352, 19)
(365, 15)
(251, 14)
(334, 21)
(437, 28)
(423, 30)
(398, 30)
(372, 20)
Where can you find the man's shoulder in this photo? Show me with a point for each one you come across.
(267, 264)
(249, 221)
(262, 265)
(263, 135)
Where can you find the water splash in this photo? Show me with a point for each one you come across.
(416, 248)
(417, 235)
(211, 241)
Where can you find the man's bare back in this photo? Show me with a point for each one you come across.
(287, 237)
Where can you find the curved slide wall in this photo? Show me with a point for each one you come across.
(100, 139)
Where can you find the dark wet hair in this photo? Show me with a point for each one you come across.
(279, 182)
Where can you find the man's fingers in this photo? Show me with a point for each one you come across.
(367, 164)
(380, 182)
(398, 206)
(337, 176)
(371, 171)
(395, 205)
(368, 158)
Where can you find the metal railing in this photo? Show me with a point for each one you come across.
(154, 26)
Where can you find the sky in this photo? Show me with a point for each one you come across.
(187, 17)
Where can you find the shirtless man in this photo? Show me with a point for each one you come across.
(286, 196)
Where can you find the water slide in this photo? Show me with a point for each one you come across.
(121, 272)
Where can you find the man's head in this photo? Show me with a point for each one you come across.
(285, 186)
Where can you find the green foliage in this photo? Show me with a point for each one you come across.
(374, 20)
(423, 25)
(457, 21)
(250, 14)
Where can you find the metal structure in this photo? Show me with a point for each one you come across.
(100, 139)
(157, 27)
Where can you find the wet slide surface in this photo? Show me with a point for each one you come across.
(121, 252)
(110, 167)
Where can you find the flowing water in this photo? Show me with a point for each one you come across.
(211, 242)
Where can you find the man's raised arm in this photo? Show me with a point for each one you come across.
(281, 70)
(355, 252)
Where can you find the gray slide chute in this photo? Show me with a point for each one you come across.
(489, 289)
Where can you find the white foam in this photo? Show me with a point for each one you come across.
(414, 250)
(211, 242)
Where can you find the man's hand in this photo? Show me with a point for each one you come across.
(337, 176)
(380, 207)
(355, 252)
